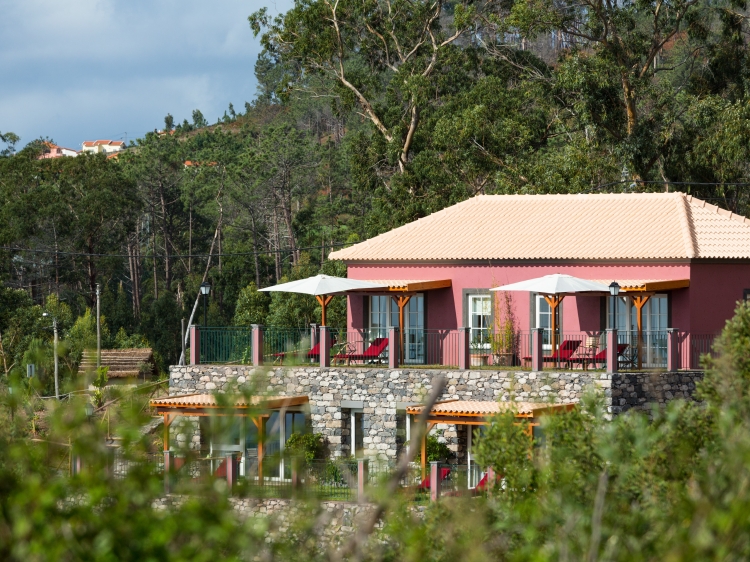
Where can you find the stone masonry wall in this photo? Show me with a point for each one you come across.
(641, 391)
(383, 392)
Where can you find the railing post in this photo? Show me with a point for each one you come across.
(612, 363)
(672, 363)
(231, 471)
(464, 354)
(537, 349)
(394, 351)
(434, 481)
(295, 474)
(490, 480)
(325, 346)
(168, 469)
(76, 465)
(363, 472)
(313, 335)
(257, 343)
(195, 345)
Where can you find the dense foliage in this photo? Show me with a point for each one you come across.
(673, 487)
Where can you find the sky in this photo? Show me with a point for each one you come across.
(76, 70)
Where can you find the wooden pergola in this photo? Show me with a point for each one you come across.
(401, 292)
(257, 408)
(640, 292)
(476, 412)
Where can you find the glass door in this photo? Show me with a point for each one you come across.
(414, 328)
(544, 320)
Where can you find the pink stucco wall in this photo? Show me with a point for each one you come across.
(704, 307)
(715, 289)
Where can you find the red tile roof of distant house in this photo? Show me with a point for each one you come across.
(623, 226)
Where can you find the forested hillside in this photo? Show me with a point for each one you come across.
(369, 114)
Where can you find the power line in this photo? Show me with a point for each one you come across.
(668, 183)
(84, 254)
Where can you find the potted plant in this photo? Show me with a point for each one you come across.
(503, 337)
(480, 348)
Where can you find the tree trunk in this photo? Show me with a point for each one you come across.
(255, 251)
(277, 252)
(91, 270)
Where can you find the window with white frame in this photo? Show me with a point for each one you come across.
(480, 318)
(543, 320)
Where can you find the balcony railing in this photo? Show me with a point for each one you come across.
(443, 348)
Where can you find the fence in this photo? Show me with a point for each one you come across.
(442, 348)
(691, 347)
(232, 344)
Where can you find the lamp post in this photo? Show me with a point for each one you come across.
(614, 290)
(54, 352)
(89, 407)
(98, 329)
(205, 290)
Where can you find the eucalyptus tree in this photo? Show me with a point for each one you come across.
(368, 50)
(622, 68)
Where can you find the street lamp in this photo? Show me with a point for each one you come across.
(614, 290)
(89, 410)
(205, 290)
(54, 352)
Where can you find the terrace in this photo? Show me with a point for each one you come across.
(462, 348)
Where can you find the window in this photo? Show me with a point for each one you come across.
(279, 428)
(480, 318)
(544, 320)
(401, 432)
(655, 321)
(357, 433)
(384, 315)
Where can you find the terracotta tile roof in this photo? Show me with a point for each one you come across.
(483, 408)
(575, 227)
(209, 400)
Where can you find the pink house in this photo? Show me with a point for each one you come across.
(52, 150)
(689, 258)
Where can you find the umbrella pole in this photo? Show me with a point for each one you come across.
(401, 301)
(553, 301)
(323, 300)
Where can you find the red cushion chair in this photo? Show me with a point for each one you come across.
(376, 349)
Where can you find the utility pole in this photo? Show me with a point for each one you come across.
(54, 352)
(98, 329)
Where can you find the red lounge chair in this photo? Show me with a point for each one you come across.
(482, 483)
(563, 354)
(312, 355)
(376, 349)
(601, 357)
(425, 484)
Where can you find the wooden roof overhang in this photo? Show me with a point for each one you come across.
(206, 405)
(466, 412)
(475, 412)
(401, 291)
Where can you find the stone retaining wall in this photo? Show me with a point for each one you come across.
(641, 391)
(383, 393)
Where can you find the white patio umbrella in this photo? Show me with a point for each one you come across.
(323, 287)
(554, 288)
